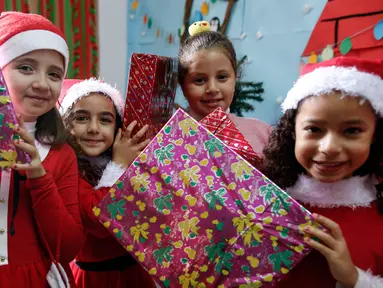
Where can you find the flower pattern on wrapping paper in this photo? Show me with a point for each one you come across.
(200, 216)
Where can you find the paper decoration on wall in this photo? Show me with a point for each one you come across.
(145, 19)
(134, 5)
(313, 58)
(131, 16)
(307, 8)
(205, 8)
(170, 38)
(181, 31)
(345, 46)
(197, 17)
(243, 36)
(259, 35)
(327, 53)
(150, 22)
(378, 30)
(215, 24)
(158, 33)
(213, 1)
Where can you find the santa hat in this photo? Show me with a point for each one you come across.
(74, 89)
(21, 33)
(352, 76)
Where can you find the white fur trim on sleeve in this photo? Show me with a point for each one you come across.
(325, 80)
(365, 280)
(91, 85)
(111, 174)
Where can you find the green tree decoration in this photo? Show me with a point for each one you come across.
(245, 91)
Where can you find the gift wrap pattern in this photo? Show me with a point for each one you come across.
(196, 214)
(8, 152)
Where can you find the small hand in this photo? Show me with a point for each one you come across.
(333, 246)
(34, 169)
(127, 148)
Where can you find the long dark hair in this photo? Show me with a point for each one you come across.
(283, 168)
(50, 129)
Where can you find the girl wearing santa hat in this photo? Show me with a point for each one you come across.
(39, 211)
(326, 151)
(92, 111)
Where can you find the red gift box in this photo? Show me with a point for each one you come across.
(151, 92)
(219, 123)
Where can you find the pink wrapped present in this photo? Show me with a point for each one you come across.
(195, 214)
(8, 152)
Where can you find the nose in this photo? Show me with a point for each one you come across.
(41, 83)
(330, 145)
(212, 87)
(93, 127)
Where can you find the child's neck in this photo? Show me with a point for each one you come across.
(355, 191)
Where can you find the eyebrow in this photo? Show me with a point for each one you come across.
(348, 122)
(103, 113)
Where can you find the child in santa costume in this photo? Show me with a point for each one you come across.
(326, 151)
(39, 211)
(92, 111)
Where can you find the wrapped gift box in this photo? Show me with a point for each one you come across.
(219, 123)
(151, 91)
(8, 152)
(196, 214)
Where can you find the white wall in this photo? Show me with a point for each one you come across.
(113, 41)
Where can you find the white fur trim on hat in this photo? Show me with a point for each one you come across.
(31, 40)
(84, 88)
(325, 80)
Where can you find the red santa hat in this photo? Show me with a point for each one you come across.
(21, 33)
(74, 89)
(352, 76)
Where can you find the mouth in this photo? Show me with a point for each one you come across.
(212, 102)
(91, 142)
(329, 166)
(37, 98)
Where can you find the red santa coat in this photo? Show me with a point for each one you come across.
(52, 201)
(351, 204)
(100, 245)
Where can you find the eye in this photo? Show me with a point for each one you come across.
(353, 130)
(81, 118)
(25, 68)
(223, 77)
(55, 75)
(199, 81)
(312, 129)
(106, 120)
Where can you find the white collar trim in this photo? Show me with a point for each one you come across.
(353, 192)
(42, 148)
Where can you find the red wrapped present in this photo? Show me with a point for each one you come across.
(151, 91)
(219, 123)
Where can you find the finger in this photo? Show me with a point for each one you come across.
(25, 135)
(129, 129)
(136, 138)
(325, 251)
(334, 228)
(141, 146)
(22, 166)
(27, 148)
(20, 120)
(118, 136)
(324, 237)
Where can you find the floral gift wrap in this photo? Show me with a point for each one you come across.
(8, 152)
(196, 214)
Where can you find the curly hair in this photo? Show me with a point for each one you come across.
(88, 172)
(283, 168)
